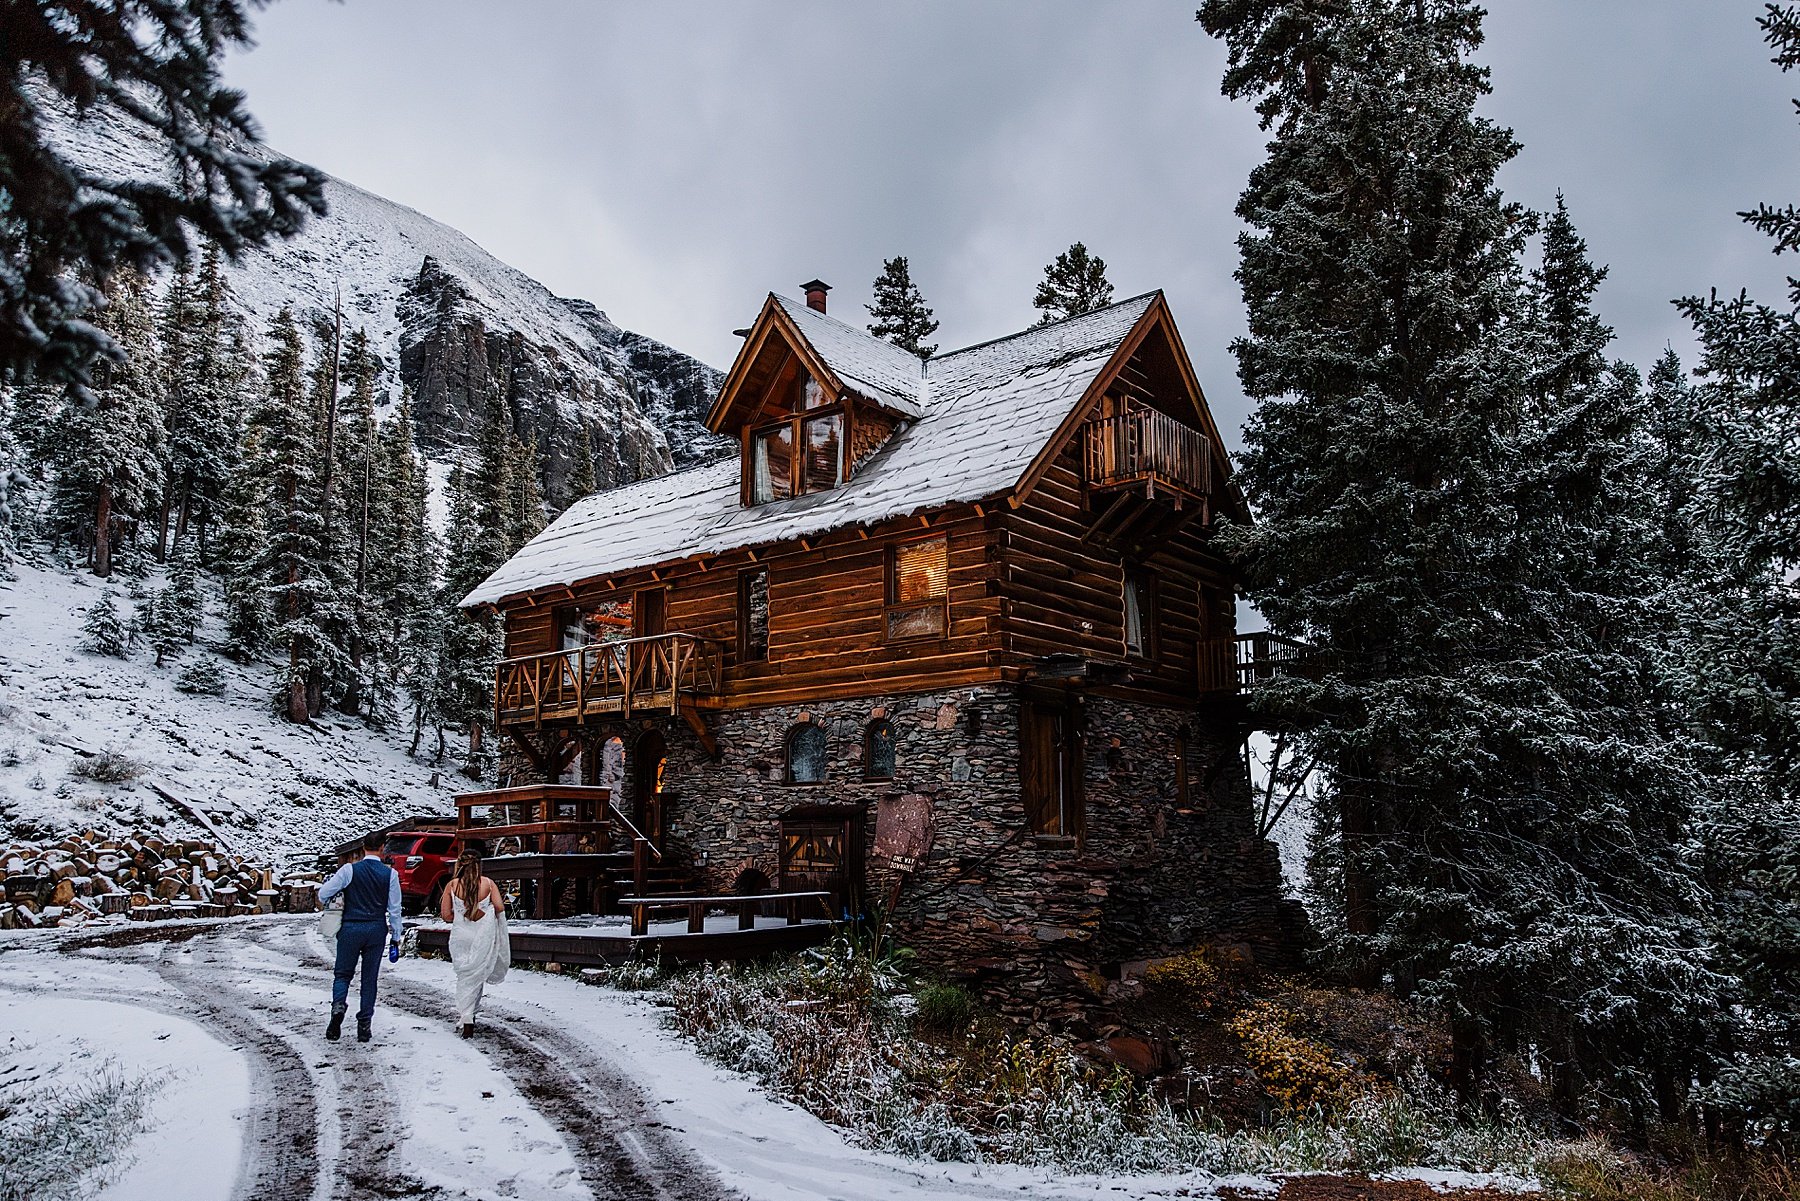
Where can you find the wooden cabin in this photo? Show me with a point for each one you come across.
(950, 635)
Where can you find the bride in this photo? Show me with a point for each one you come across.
(480, 948)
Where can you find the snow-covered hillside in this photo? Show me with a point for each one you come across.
(268, 788)
(460, 328)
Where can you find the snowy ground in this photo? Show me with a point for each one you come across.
(270, 788)
(567, 1091)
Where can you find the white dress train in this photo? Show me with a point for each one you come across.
(480, 951)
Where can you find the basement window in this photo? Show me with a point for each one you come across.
(918, 589)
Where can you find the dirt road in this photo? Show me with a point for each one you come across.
(330, 1120)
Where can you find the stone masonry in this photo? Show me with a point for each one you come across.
(1039, 924)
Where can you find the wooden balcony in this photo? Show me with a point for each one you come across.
(655, 674)
(1148, 447)
(1234, 665)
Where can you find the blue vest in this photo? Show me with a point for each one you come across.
(366, 900)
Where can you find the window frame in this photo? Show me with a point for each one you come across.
(893, 733)
(743, 614)
(891, 592)
(1052, 770)
(787, 754)
(796, 423)
(1141, 580)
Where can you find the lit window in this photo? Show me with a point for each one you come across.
(879, 744)
(806, 751)
(918, 586)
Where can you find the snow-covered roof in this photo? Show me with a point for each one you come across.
(867, 365)
(985, 413)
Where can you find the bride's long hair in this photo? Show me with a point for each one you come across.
(468, 880)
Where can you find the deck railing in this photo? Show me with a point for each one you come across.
(1236, 664)
(1148, 445)
(650, 673)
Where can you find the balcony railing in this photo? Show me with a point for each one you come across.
(653, 673)
(1148, 445)
(1237, 664)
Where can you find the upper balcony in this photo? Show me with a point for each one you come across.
(660, 673)
(1151, 447)
(1233, 666)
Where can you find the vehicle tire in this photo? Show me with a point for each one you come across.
(433, 899)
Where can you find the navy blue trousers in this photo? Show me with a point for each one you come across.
(365, 941)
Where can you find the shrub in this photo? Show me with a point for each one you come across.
(202, 675)
(1298, 1073)
(944, 1009)
(64, 1143)
(108, 767)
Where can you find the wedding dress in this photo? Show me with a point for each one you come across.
(480, 951)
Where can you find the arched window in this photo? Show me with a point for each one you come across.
(806, 752)
(612, 766)
(879, 743)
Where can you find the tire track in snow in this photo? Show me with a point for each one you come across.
(603, 1117)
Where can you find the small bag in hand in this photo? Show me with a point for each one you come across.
(331, 920)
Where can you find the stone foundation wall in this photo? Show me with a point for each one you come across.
(1040, 924)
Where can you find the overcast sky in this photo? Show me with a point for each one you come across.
(673, 161)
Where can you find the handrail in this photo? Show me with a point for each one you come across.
(635, 832)
(1235, 664)
(648, 671)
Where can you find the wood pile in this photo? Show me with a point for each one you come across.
(90, 878)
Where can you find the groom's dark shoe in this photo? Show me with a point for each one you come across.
(336, 1027)
(363, 1034)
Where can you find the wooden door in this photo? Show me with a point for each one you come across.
(821, 851)
(651, 661)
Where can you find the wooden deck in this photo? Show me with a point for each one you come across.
(611, 945)
(1235, 665)
(656, 674)
(1147, 446)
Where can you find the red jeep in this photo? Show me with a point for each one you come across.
(424, 859)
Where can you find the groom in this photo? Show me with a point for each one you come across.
(371, 911)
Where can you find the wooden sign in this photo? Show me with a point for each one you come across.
(904, 830)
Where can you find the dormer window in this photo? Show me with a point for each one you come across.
(777, 472)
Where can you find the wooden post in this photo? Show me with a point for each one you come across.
(640, 920)
(793, 911)
(640, 864)
(747, 913)
(696, 917)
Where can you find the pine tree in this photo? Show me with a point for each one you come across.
(155, 67)
(527, 502)
(1497, 836)
(242, 550)
(582, 482)
(102, 632)
(1746, 655)
(107, 454)
(186, 603)
(1072, 285)
(286, 470)
(160, 625)
(900, 313)
(206, 375)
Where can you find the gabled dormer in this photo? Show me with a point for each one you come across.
(811, 399)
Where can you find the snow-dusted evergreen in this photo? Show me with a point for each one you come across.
(1453, 505)
(1073, 284)
(900, 314)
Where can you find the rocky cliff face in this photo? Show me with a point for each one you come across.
(460, 329)
(632, 402)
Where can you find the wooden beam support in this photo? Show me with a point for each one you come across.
(696, 721)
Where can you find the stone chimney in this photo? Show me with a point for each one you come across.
(815, 293)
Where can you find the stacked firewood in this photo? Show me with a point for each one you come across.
(91, 877)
